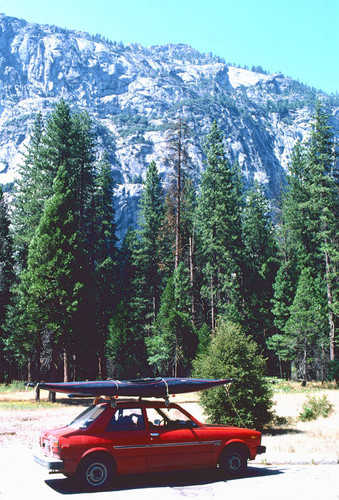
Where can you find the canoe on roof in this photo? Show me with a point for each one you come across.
(147, 387)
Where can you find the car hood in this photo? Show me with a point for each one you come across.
(241, 430)
(223, 426)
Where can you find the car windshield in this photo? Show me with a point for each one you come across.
(88, 416)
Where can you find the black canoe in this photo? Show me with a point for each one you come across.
(147, 387)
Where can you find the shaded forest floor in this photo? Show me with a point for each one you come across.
(21, 419)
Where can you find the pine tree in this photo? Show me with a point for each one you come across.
(178, 158)
(188, 217)
(296, 211)
(69, 141)
(105, 255)
(126, 340)
(306, 323)
(219, 231)
(84, 170)
(173, 343)
(59, 142)
(294, 246)
(168, 236)
(324, 207)
(142, 286)
(260, 265)
(56, 277)
(308, 238)
(148, 253)
(31, 190)
(284, 291)
(6, 274)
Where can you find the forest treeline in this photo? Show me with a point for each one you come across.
(77, 304)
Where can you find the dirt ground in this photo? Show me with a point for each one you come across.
(21, 420)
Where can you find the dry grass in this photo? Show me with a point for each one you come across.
(21, 419)
(294, 436)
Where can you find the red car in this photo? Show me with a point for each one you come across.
(135, 436)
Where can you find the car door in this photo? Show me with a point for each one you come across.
(176, 441)
(126, 432)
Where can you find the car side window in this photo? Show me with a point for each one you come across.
(126, 419)
(169, 419)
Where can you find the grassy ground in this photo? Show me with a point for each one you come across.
(22, 419)
(290, 434)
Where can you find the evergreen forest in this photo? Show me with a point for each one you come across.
(76, 303)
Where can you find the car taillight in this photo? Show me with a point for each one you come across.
(55, 447)
(45, 445)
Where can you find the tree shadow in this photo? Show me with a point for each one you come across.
(181, 479)
(281, 431)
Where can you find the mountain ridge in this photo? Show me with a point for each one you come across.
(133, 93)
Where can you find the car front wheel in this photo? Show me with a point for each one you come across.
(96, 471)
(233, 461)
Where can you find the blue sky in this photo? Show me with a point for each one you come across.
(300, 38)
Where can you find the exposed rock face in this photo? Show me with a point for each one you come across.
(134, 93)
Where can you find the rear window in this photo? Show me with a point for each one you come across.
(87, 417)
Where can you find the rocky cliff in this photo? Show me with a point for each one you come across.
(133, 94)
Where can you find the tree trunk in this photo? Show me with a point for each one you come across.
(66, 365)
(330, 312)
(74, 367)
(305, 368)
(175, 373)
(38, 363)
(2, 368)
(51, 397)
(178, 217)
(212, 307)
(37, 394)
(102, 367)
(54, 364)
(29, 369)
(192, 279)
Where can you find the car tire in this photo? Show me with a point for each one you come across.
(96, 471)
(233, 461)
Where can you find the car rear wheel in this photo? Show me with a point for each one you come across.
(233, 461)
(96, 471)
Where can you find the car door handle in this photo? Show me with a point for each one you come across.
(154, 434)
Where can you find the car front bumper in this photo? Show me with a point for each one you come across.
(51, 463)
(261, 449)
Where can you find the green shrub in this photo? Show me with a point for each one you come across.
(232, 354)
(15, 386)
(315, 407)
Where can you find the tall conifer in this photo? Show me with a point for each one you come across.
(309, 234)
(324, 208)
(105, 254)
(147, 255)
(6, 274)
(260, 265)
(219, 231)
(31, 190)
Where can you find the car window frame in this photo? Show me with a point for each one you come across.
(127, 428)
